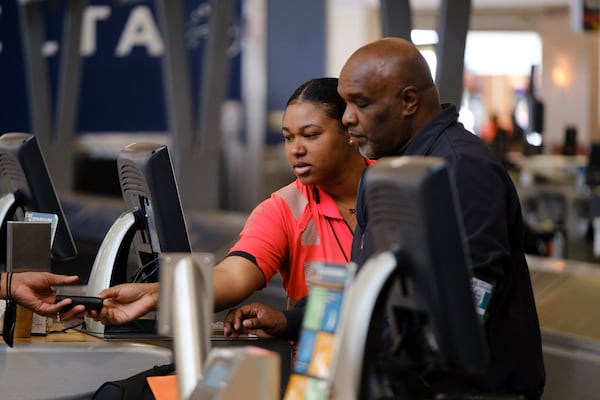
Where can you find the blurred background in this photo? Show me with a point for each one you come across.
(210, 79)
(120, 87)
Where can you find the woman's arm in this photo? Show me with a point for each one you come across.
(235, 279)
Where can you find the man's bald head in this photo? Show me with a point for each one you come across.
(390, 95)
(393, 58)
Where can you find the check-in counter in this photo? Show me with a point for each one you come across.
(73, 365)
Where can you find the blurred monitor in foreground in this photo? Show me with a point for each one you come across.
(415, 292)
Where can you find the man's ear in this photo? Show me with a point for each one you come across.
(410, 99)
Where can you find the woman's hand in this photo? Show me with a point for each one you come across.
(126, 302)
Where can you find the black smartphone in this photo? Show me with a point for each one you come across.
(90, 302)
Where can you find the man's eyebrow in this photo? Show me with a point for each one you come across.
(356, 95)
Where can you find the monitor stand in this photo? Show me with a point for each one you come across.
(116, 243)
(142, 328)
(7, 202)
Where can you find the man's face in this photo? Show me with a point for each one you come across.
(373, 110)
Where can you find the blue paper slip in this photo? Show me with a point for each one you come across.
(44, 217)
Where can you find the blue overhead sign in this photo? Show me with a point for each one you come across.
(121, 46)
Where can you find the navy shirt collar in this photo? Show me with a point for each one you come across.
(428, 135)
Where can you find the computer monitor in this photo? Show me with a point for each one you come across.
(569, 147)
(150, 192)
(529, 114)
(528, 117)
(26, 186)
(421, 272)
(153, 222)
(592, 178)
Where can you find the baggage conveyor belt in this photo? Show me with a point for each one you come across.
(567, 295)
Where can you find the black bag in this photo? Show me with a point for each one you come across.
(132, 388)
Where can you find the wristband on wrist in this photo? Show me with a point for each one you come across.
(5, 291)
(8, 283)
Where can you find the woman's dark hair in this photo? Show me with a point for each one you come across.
(322, 91)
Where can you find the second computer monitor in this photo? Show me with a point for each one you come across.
(150, 192)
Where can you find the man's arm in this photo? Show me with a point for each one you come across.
(294, 319)
(34, 291)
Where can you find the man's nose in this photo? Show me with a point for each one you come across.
(349, 117)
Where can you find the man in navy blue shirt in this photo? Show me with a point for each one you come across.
(393, 109)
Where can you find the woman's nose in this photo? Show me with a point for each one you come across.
(297, 147)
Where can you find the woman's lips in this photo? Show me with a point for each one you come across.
(301, 169)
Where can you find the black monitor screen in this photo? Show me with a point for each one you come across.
(529, 114)
(413, 212)
(569, 147)
(593, 166)
(150, 192)
(24, 175)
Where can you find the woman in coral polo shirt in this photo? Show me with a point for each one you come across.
(310, 220)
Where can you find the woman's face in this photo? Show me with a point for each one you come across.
(316, 145)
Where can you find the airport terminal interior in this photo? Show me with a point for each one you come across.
(179, 103)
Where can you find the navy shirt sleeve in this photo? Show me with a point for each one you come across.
(294, 319)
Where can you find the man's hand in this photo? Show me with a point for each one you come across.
(255, 318)
(126, 302)
(34, 291)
